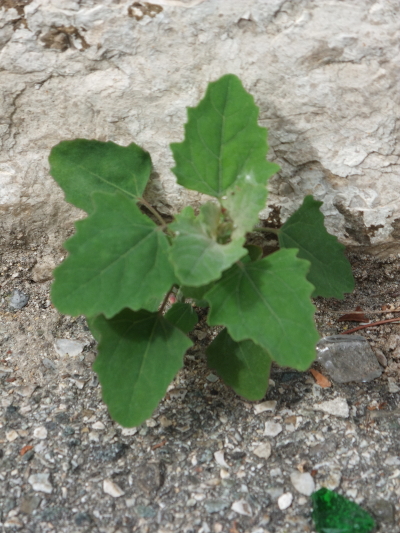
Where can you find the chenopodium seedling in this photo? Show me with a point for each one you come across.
(122, 265)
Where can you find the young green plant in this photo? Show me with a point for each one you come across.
(123, 265)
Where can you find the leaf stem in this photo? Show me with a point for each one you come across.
(165, 301)
(153, 212)
(268, 230)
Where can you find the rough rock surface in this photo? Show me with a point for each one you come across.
(325, 75)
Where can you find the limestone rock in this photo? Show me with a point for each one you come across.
(324, 75)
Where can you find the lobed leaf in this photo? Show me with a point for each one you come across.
(139, 355)
(223, 142)
(117, 258)
(182, 316)
(195, 254)
(244, 366)
(330, 270)
(268, 302)
(243, 201)
(82, 167)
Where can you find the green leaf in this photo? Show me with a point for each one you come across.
(255, 252)
(330, 271)
(82, 167)
(195, 254)
(117, 258)
(139, 355)
(223, 141)
(243, 201)
(268, 302)
(197, 293)
(244, 366)
(91, 322)
(183, 316)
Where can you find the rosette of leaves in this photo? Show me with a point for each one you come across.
(123, 264)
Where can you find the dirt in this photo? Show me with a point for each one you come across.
(166, 469)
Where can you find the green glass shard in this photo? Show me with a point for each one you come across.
(333, 513)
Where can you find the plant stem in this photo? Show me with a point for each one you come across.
(165, 301)
(268, 230)
(153, 211)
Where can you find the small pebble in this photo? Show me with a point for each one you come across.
(11, 435)
(40, 433)
(265, 406)
(94, 436)
(392, 387)
(18, 300)
(130, 502)
(285, 501)
(128, 432)
(214, 506)
(242, 507)
(165, 422)
(272, 429)
(42, 271)
(337, 407)
(212, 378)
(220, 459)
(40, 483)
(111, 488)
(98, 425)
(68, 347)
(263, 451)
(303, 483)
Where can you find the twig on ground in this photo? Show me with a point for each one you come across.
(370, 325)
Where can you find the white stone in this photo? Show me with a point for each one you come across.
(327, 129)
(224, 473)
(303, 482)
(337, 407)
(263, 451)
(111, 488)
(272, 429)
(40, 433)
(79, 383)
(285, 500)
(242, 507)
(98, 425)
(130, 502)
(12, 435)
(68, 347)
(41, 483)
(220, 459)
(128, 432)
(93, 436)
(262, 407)
(392, 460)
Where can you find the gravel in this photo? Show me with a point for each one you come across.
(207, 461)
